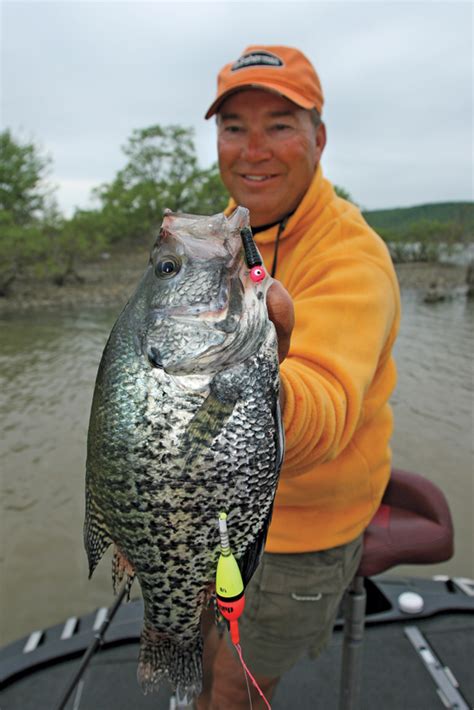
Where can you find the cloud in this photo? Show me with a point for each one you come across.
(80, 76)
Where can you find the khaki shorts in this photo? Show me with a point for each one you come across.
(291, 604)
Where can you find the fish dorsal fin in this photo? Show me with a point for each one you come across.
(239, 218)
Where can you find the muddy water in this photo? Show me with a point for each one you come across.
(48, 363)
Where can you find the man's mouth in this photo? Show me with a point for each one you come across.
(258, 178)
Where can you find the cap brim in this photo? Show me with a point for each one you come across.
(292, 96)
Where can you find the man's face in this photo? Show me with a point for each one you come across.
(268, 151)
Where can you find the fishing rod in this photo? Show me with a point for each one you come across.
(93, 646)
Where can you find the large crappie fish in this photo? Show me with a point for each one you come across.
(184, 425)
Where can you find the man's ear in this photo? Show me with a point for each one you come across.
(320, 140)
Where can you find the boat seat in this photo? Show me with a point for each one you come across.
(413, 525)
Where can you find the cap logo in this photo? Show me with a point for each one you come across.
(257, 59)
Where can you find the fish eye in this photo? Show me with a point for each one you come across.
(167, 267)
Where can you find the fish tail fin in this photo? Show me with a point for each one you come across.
(162, 656)
(96, 537)
(122, 569)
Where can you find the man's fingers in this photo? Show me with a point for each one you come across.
(282, 314)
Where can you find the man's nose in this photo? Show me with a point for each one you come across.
(256, 148)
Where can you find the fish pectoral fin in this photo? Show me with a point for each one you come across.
(96, 538)
(206, 425)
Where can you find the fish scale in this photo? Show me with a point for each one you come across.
(184, 424)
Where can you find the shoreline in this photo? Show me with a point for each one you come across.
(110, 281)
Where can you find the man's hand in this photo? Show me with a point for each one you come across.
(282, 314)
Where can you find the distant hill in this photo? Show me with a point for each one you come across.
(402, 217)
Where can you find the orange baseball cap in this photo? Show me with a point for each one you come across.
(282, 69)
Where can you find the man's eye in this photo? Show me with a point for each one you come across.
(281, 127)
(167, 267)
(233, 129)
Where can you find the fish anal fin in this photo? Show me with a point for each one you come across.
(96, 538)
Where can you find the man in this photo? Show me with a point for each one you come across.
(336, 285)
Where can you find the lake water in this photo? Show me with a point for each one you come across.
(48, 363)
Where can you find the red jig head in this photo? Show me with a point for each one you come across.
(257, 274)
(252, 256)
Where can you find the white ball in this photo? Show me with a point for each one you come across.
(411, 602)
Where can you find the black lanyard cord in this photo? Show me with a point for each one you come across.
(281, 227)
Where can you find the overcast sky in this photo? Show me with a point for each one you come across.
(78, 77)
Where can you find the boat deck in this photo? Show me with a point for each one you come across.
(394, 675)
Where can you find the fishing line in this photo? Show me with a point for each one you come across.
(248, 688)
(244, 665)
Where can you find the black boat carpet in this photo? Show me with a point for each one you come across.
(393, 677)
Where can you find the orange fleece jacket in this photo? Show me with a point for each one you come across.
(339, 372)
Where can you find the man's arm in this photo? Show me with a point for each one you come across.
(346, 313)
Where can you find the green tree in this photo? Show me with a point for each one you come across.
(209, 195)
(26, 208)
(80, 238)
(23, 190)
(161, 171)
(422, 240)
(433, 238)
(20, 247)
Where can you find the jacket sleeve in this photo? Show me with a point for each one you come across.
(335, 376)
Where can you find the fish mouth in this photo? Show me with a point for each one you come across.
(154, 358)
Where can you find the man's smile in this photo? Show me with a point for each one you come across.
(258, 178)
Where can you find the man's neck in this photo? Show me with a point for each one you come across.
(264, 227)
